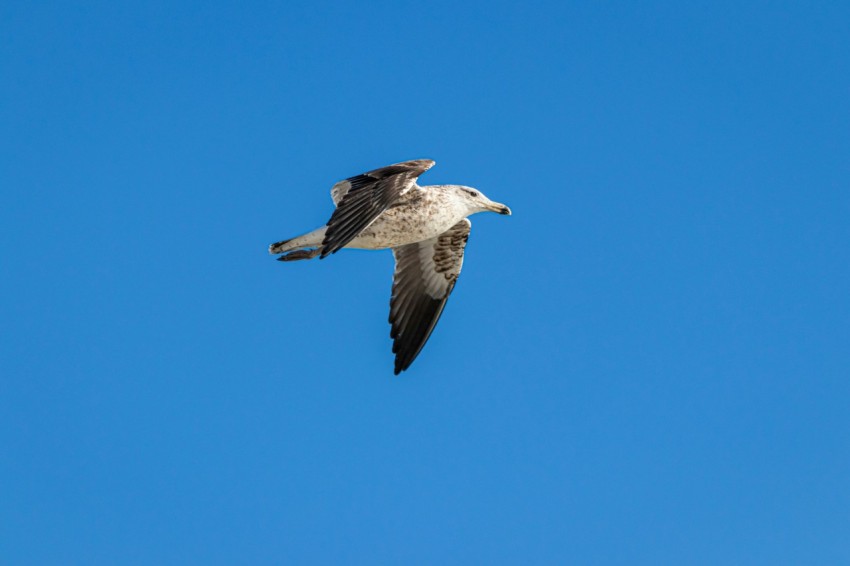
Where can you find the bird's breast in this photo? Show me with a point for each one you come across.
(406, 224)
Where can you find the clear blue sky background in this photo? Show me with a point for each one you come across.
(648, 363)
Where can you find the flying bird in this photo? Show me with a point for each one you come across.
(426, 228)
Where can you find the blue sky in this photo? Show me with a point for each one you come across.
(647, 363)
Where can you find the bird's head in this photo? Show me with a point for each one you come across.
(476, 201)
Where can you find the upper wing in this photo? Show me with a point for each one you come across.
(361, 199)
(425, 274)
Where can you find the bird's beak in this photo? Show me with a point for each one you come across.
(499, 208)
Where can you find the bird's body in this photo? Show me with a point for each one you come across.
(427, 229)
(418, 215)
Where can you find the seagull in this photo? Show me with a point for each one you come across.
(426, 228)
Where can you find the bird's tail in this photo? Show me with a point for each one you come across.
(295, 255)
(307, 246)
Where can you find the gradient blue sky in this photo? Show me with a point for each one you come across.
(648, 363)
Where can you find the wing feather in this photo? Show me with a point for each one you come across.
(362, 198)
(425, 275)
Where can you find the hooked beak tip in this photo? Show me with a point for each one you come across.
(505, 210)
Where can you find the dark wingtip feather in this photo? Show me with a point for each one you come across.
(326, 252)
(401, 364)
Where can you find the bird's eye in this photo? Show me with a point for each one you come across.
(473, 194)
